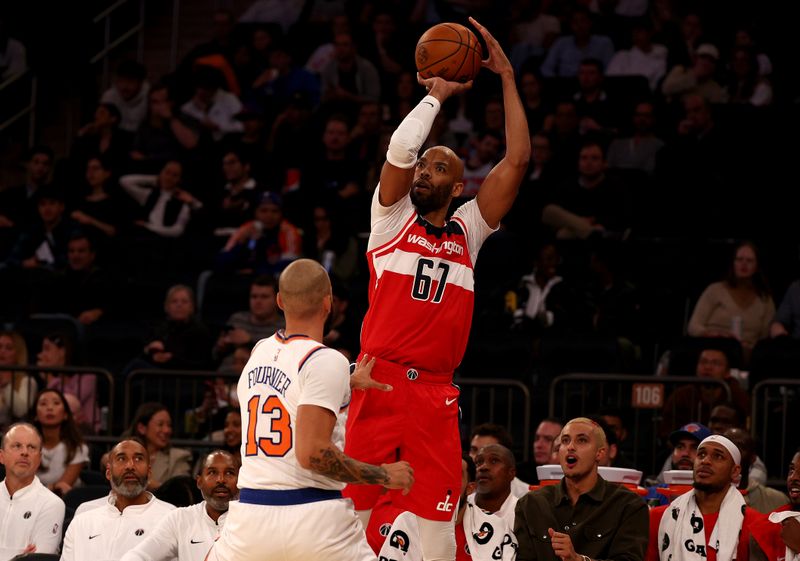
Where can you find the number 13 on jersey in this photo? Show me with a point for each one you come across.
(279, 441)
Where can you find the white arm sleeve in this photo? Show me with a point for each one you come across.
(412, 132)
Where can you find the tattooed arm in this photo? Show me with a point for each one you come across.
(315, 451)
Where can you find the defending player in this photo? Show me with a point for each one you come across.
(293, 392)
(421, 299)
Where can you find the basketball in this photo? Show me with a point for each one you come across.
(449, 51)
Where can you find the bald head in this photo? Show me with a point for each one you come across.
(22, 430)
(302, 289)
(437, 153)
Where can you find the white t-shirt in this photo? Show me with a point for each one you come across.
(34, 516)
(185, 533)
(283, 373)
(105, 533)
(53, 461)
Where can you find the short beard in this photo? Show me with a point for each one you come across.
(431, 203)
(128, 490)
(220, 505)
(707, 487)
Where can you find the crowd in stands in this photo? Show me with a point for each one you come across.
(155, 241)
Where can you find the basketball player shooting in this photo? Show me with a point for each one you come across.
(293, 394)
(421, 299)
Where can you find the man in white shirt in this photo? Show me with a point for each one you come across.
(31, 516)
(129, 94)
(496, 469)
(187, 533)
(129, 516)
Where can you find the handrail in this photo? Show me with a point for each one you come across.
(509, 384)
(73, 370)
(649, 378)
(757, 412)
(109, 44)
(29, 109)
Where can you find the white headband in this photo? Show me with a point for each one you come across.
(729, 446)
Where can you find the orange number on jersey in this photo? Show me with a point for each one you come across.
(280, 425)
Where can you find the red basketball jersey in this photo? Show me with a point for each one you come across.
(421, 290)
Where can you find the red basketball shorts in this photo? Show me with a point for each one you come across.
(417, 422)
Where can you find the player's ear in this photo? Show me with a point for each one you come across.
(458, 188)
(471, 486)
(279, 300)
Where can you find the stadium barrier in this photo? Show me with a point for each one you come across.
(775, 412)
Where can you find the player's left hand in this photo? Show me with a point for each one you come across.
(361, 378)
(562, 546)
(497, 61)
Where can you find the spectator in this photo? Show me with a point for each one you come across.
(180, 341)
(596, 113)
(744, 38)
(152, 423)
(232, 433)
(580, 504)
(726, 416)
(365, 135)
(129, 94)
(98, 210)
(166, 208)
(240, 195)
(251, 146)
(614, 456)
(483, 155)
(13, 56)
(18, 204)
(283, 79)
(349, 79)
(165, 135)
(696, 401)
(546, 435)
(639, 150)
(43, 243)
(489, 433)
(17, 389)
(102, 137)
(265, 245)
(696, 79)
(344, 325)
(757, 496)
(723, 520)
(567, 52)
(262, 320)
(126, 517)
(214, 108)
(532, 34)
(595, 203)
(536, 109)
(31, 517)
(786, 322)
(746, 85)
(643, 58)
(201, 523)
(496, 469)
(64, 453)
(533, 312)
(684, 447)
(740, 306)
(272, 11)
(328, 241)
(58, 350)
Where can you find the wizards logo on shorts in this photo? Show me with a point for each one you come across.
(399, 540)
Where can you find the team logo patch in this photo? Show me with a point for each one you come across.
(139, 532)
(412, 374)
(399, 540)
(484, 533)
(27, 515)
(697, 523)
(385, 529)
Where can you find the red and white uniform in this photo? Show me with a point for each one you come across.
(421, 298)
(421, 292)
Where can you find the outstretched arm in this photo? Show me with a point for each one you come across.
(398, 171)
(315, 451)
(499, 189)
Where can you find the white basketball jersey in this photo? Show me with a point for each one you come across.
(283, 373)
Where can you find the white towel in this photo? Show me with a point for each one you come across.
(681, 536)
(488, 536)
(778, 518)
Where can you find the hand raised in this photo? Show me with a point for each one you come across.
(497, 61)
(441, 89)
(361, 379)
